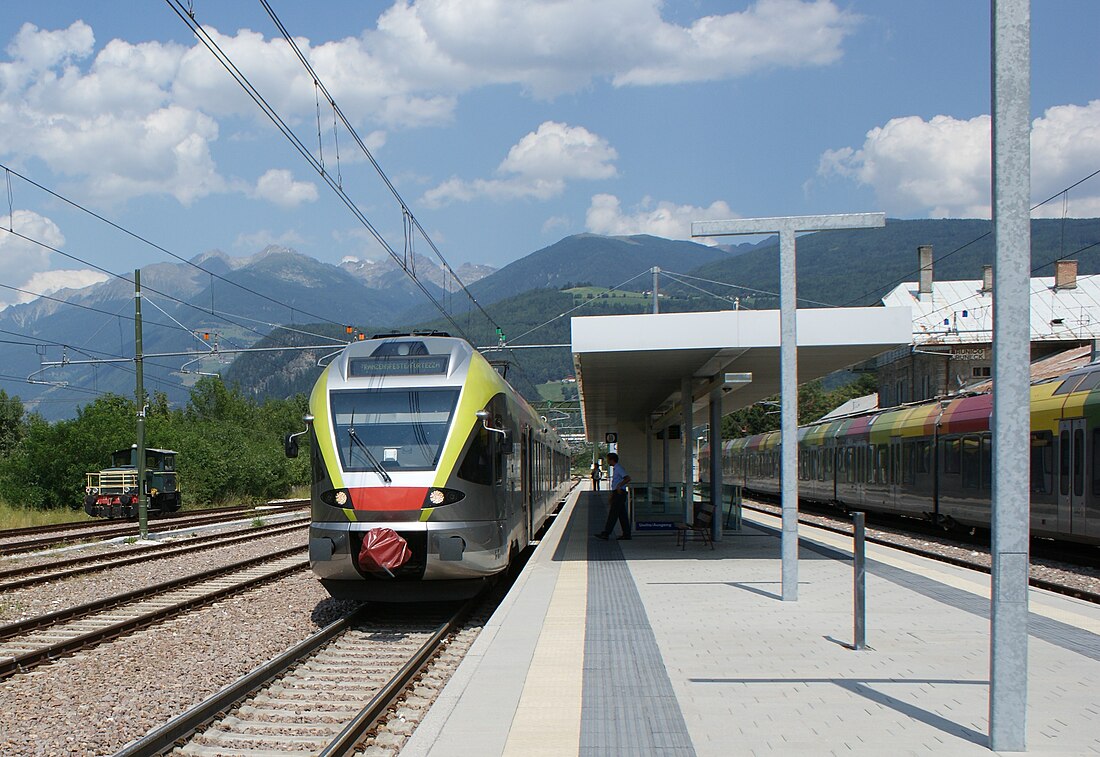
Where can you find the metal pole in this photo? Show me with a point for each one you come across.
(656, 306)
(859, 565)
(687, 438)
(665, 474)
(649, 460)
(716, 461)
(1011, 359)
(788, 335)
(139, 393)
(788, 376)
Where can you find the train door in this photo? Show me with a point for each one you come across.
(893, 489)
(1072, 476)
(527, 496)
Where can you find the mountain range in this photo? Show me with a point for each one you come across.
(216, 304)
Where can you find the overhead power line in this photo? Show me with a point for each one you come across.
(185, 14)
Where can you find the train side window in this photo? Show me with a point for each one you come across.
(1078, 462)
(987, 462)
(924, 455)
(1070, 384)
(971, 462)
(909, 454)
(952, 449)
(1095, 459)
(1063, 463)
(477, 465)
(882, 451)
(1089, 381)
(1042, 461)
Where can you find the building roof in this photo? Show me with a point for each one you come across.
(631, 367)
(960, 312)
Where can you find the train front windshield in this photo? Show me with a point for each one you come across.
(393, 429)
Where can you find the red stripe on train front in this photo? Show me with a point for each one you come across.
(388, 497)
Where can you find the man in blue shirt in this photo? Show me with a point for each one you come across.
(618, 479)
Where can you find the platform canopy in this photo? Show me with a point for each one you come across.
(630, 367)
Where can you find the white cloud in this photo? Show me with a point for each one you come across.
(554, 46)
(941, 167)
(278, 186)
(48, 282)
(258, 240)
(663, 219)
(553, 223)
(19, 259)
(540, 164)
(136, 119)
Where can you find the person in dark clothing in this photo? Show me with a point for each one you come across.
(597, 474)
(618, 479)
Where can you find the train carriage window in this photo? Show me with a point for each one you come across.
(971, 462)
(952, 449)
(908, 462)
(1089, 382)
(987, 462)
(1063, 463)
(1078, 462)
(1095, 459)
(1070, 384)
(883, 464)
(1042, 462)
(895, 463)
(924, 457)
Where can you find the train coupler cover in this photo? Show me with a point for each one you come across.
(383, 550)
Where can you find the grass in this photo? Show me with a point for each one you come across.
(21, 517)
(258, 523)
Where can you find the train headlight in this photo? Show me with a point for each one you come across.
(336, 497)
(438, 497)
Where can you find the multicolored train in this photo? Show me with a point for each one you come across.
(934, 459)
(430, 472)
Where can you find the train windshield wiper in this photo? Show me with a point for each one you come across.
(370, 456)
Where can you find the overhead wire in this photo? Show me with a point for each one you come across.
(150, 243)
(227, 63)
(337, 111)
(578, 307)
(962, 247)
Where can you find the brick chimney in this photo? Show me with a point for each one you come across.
(1065, 274)
(924, 261)
(987, 279)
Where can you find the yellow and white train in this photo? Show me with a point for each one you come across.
(430, 472)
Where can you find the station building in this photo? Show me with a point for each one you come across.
(952, 344)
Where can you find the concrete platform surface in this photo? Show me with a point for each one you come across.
(639, 648)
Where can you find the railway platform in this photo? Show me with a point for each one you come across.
(639, 648)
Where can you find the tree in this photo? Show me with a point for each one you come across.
(12, 426)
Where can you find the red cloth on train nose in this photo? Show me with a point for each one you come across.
(383, 549)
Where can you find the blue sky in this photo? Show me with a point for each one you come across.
(509, 124)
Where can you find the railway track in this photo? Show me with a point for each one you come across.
(28, 643)
(320, 697)
(18, 578)
(96, 530)
(841, 525)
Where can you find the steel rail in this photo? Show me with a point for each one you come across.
(97, 563)
(187, 724)
(23, 662)
(346, 741)
(8, 533)
(94, 534)
(1038, 583)
(39, 622)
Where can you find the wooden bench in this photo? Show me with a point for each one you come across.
(702, 524)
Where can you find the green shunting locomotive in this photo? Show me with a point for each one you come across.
(113, 492)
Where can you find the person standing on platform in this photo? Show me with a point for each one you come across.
(617, 510)
(597, 474)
